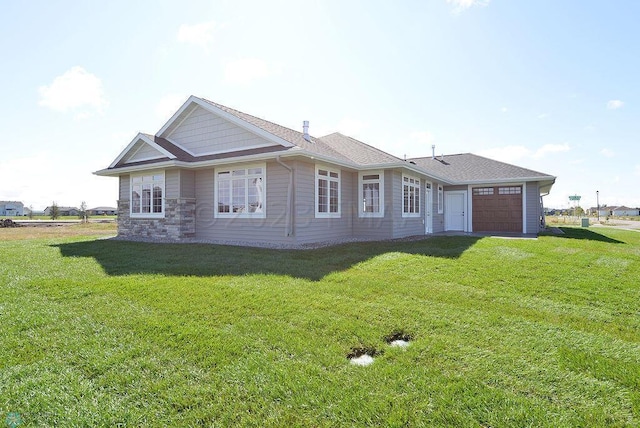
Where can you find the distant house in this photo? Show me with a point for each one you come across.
(102, 211)
(624, 211)
(11, 208)
(215, 173)
(63, 211)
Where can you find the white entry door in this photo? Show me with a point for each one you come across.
(428, 210)
(455, 208)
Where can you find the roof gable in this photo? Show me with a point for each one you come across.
(142, 148)
(206, 115)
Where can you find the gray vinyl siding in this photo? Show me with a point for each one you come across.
(172, 183)
(438, 219)
(203, 133)
(268, 229)
(125, 193)
(145, 152)
(307, 227)
(204, 188)
(532, 205)
(187, 184)
(405, 226)
(375, 227)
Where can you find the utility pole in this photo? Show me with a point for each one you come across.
(598, 203)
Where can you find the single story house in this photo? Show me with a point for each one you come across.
(624, 211)
(617, 211)
(102, 211)
(11, 208)
(217, 174)
(63, 211)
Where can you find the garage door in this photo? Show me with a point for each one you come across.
(497, 209)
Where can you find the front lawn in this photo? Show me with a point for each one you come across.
(504, 332)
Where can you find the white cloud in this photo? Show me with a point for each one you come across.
(543, 116)
(607, 153)
(246, 70)
(551, 148)
(614, 104)
(198, 34)
(462, 5)
(75, 90)
(168, 105)
(504, 109)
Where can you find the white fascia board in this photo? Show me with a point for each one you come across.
(226, 116)
(404, 165)
(508, 180)
(109, 172)
(321, 158)
(187, 165)
(417, 169)
(147, 140)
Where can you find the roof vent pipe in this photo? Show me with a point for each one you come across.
(305, 130)
(433, 151)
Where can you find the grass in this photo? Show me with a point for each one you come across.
(504, 332)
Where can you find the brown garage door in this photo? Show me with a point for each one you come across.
(497, 209)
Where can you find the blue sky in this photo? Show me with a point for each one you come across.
(548, 85)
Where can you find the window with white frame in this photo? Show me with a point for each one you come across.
(371, 194)
(440, 200)
(513, 190)
(327, 192)
(240, 192)
(411, 196)
(147, 195)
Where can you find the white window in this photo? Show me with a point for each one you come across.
(411, 196)
(147, 195)
(240, 192)
(371, 194)
(440, 200)
(514, 190)
(327, 192)
(483, 191)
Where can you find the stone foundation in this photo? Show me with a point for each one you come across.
(178, 223)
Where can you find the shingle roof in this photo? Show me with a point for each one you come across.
(357, 151)
(339, 148)
(316, 145)
(172, 148)
(467, 167)
(102, 209)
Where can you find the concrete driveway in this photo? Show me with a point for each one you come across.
(622, 224)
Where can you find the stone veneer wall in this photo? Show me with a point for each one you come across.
(178, 223)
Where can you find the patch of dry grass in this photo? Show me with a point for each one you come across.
(45, 231)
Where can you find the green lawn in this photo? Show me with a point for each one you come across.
(505, 333)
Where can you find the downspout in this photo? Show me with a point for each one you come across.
(288, 228)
